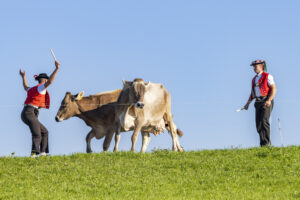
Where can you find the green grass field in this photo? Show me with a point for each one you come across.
(258, 173)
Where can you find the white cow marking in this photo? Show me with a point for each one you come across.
(127, 121)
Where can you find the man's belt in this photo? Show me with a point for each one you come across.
(261, 98)
(32, 106)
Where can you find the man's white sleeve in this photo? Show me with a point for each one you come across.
(42, 89)
(271, 80)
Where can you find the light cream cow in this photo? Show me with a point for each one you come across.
(143, 106)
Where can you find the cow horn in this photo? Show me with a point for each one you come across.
(80, 95)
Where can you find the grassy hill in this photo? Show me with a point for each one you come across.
(258, 173)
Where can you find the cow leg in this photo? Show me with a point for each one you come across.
(177, 140)
(172, 130)
(117, 140)
(178, 145)
(174, 141)
(146, 140)
(88, 139)
(108, 138)
(117, 137)
(135, 136)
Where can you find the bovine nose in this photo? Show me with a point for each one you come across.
(140, 105)
(56, 119)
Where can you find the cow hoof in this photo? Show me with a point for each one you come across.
(105, 149)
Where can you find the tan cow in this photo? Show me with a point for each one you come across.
(141, 106)
(97, 111)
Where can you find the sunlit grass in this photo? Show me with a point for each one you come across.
(258, 173)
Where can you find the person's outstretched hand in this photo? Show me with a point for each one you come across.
(57, 64)
(22, 73)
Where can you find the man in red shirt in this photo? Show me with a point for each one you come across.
(263, 90)
(37, 97)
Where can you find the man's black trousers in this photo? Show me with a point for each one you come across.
(38, 130)
(262, 116)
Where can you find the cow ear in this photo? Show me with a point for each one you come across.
(79, 96)
(147, 84)
(126, 83)
(68, 94)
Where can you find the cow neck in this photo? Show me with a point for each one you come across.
(86, 104)
(123, 100)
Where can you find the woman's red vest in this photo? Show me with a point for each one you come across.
(36, 99)
(263, 85)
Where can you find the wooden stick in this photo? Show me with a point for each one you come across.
(53, 54)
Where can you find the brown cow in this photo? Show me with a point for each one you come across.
(97, 111)
(142, 105)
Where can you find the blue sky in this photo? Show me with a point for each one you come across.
(200, 51)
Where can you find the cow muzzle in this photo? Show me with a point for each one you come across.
(140, 105)
(58, 119)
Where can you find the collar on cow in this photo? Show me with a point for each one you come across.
(79, 108)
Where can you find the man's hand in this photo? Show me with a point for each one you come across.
(53, 75)
(22, 73)
(246, 106)
(57, 64)
(268, 103)
(249, 101)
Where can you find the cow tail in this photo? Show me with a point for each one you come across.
(179, 132)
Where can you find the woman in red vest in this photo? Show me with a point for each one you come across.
(37, 97)
(263, 90)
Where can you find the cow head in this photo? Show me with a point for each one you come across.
(69, 106)
(136, 92)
